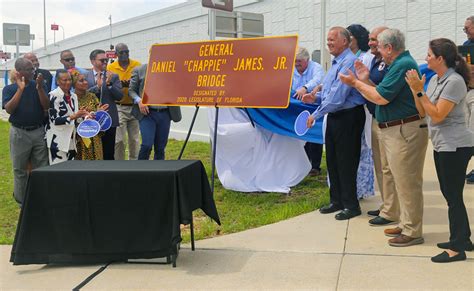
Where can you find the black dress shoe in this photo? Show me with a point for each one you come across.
(329, 209)
(445, 258)
(348, 214)
(380, 221)
(373, 212)
(446, 245)
(470, 174)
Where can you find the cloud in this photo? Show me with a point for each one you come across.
(75, 17)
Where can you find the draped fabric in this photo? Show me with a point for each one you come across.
(282, 121)
(254, 159)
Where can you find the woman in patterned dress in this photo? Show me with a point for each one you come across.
(63, 114)
(365, 173)
(87, 148)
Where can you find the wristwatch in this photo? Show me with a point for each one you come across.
(420, 94)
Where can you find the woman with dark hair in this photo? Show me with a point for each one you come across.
(365, 173)
(359, 39)
(63, 111)
(443, 104)
(87, 148)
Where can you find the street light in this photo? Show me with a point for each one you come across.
(62, 27)
(44, 22)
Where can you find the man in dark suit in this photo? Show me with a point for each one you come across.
(154, 120)
(47, 77)
(107, 87)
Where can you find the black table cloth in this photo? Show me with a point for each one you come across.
(103, 211)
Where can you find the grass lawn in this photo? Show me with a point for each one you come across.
(238, 211)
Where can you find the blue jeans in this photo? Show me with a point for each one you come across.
(155, 128)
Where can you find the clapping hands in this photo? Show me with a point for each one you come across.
(413, 80)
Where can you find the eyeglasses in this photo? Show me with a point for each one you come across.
(103, 60)
(465, 29)
(69, 59)
(124, 52)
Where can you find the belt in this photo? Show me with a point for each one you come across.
(124, 104)
(157, 109)
(28, 127)
(345, 110)
(400, 121)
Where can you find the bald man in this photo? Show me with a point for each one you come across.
(26, 102)
(47, 77)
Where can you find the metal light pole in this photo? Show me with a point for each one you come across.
(110, 26)
(44, 22)
(63, 31)
(325, 58)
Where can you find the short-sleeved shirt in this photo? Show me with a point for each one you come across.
(124, 76)
(452, 132)
(396, 91)
(378, 69)
(29, 111)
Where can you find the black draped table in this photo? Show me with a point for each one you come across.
(104, 211)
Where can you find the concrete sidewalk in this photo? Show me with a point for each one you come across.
(311, 251)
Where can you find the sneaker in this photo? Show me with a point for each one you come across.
(470, 180)
(405, 241)
(393, 232)
(380, 221)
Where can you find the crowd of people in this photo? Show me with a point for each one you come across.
(378, 118)
(45, 111)
(374, 86)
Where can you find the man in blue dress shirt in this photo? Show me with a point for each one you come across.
(345, 123)
(306, 76)
(469, 31)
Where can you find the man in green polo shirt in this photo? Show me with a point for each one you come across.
(404, 138)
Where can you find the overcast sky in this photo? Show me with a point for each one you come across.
(75, 16)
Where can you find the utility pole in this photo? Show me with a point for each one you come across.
(44, 22)
(110, 26)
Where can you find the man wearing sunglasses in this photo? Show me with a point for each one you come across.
(108, 89)
(128, 125)
(69, 62)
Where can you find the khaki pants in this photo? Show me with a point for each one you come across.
(383, 175)
(128, 126)
(405, 149)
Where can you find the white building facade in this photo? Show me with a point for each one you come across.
(420, 20)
